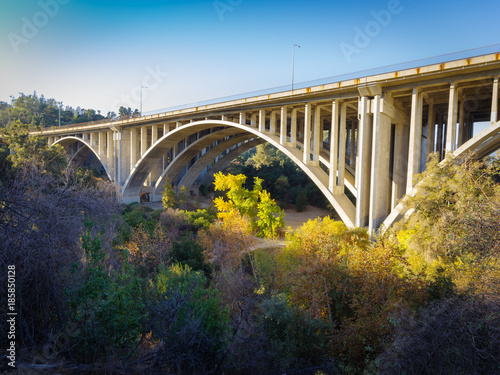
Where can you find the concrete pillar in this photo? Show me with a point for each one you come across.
(154, 134)
(353, 142)
(334, 142)
(494, 101)
(224, 118)
(316, 141)
(363, 163)
(379, 188)
(293, 128)
(166, 129)
(262, 120)
(253, 120)
(431, 129)
(272, 124)
(243, 118)
(101, 147)
(451, 133)
(461, 120)
(144, 139)
(342, 142)
(307, 135)
(415, 138)
(133, 147)
(110, 149)
(93, 139)
(283, 125)
(439, 140)
(124, 154)
(399, 165)
(178, 124)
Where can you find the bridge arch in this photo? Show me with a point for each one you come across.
(482, 145)
(132, 186)
(175, 168)
(80, 154)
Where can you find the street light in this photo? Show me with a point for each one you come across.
(293, 61)
(142, 87)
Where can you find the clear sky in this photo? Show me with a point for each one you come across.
(98, 53)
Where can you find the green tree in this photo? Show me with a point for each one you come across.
(168, 195)
(264, 214)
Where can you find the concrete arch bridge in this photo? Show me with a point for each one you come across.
(360, 140)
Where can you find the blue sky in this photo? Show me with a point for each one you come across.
(97, 54)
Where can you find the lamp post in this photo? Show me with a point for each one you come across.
(142, 87)
(293, 61)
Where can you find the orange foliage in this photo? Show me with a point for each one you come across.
(225, 242)
(149, 250)
(336, 274)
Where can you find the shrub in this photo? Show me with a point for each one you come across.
(189, 321)
(452, 336)
(107, 310)
(297, 341)
(301, 201)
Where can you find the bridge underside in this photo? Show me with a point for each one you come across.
(362, 146)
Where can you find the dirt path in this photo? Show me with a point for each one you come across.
(295, 219)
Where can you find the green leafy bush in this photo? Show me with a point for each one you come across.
(107, 310)
(188, 320)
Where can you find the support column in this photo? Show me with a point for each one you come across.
(494, 101)
(431, 129)
(110, 149)
(439, 141)
(154, 134)
(415, 138)
(363, 163)
(101, 146)
(451, 133)
(272, 125)
(124, 154)
(93, 139)
(399, 165)
(293, 128)
(342, 139)
(334, 142)
(262, 120)
(283, 125)
(316, 135)
(253, 120)
(379, 188)
(243, 118)
(224, 118)
(353, 142)
(166, 129)
(133, 147)
(144, 139)
(307, 135)
(461, 120)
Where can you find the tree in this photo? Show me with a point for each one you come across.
(263, 213)
(455, 227)
(168, 195)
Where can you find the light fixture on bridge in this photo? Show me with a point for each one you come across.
(293, 61)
